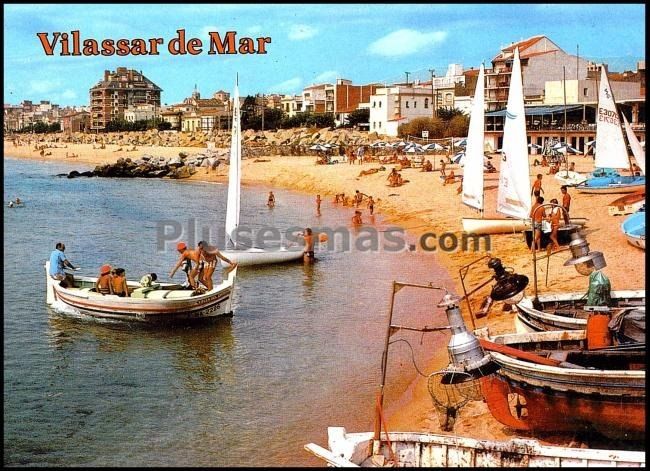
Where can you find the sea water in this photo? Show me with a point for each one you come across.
(302, 351)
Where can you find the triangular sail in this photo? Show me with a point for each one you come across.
(234, 174)
(514, 179)
(635, 145)
(473, 176)
(610, 147)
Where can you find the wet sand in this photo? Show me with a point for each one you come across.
(422, 205)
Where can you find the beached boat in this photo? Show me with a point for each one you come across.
(570, 178)
(634, 228)
(429, 450)
(235, 251)
(600, 390)
(627, 204)
(611, 150)
(566, 311)
(162, 303)
(513, 199)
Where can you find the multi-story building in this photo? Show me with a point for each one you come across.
(75, 121)
(28, 113)
(141, 112)
(314, 98)
(541, 61)
(118, 91)
(291, 104)
(344, 97)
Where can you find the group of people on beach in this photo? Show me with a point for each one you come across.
(538, 216)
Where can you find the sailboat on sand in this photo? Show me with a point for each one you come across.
(235, 251)
(514, 199)
(611, 151)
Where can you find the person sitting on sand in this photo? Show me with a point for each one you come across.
(356, 219)
(572, 167)
(427, 167)
(451, 178)
(489, 168)
(544, 161)
(118, 283)
(104, 284)
(392, 177)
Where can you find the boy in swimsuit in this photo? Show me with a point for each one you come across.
(209, 255)
(118, 283)
(309, 245)
(189, 255)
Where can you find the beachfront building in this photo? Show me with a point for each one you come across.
(291, 104)
(141, 112)
(27, 113)
(75, 121)
(314, 98)
(541, 61)
(119, 90)
(343, 98)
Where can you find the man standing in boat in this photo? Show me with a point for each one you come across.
(189, 255)
(209, 256)
(58, 262)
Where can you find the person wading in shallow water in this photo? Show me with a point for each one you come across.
(271, 200)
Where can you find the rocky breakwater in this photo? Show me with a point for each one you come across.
(149, 166)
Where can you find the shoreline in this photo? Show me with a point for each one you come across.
(422, 205)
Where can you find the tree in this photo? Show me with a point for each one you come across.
(358, 116)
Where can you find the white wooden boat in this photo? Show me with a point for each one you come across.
(569, 178)
(165, 302)
(566, 311)
(612, 185)
(245, 256)
(428, 450)
(503, 225)
(513, 198)
(627, 204)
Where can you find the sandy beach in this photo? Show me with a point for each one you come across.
(422, 205)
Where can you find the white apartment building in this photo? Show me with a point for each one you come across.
(291, 104)
(141, 112)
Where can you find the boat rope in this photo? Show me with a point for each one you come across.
(385, 424)
(412, 355)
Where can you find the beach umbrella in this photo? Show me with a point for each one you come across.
(458, 158)
(378, 144)
(413, 150)
(461, 143)
(400, 144)
(433, 146)
(316, 147)
(535, 146)
(563, 149)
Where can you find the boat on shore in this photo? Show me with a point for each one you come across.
(429, 450)
(505, 225)
(574, 389)
(570, 178)
(569, 311)
(160, 303)
(627, 204)
(634, 228)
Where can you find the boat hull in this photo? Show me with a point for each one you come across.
(569, 178)
(530, 396)
(634, 229)
(548, 319)
(256, 256)
(165, 305)
(606, 185)
(482, 226)
(627, 204)
(429, 450)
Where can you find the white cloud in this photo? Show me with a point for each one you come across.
(406, 41)
(288, 86)
(327, 76)
(44, 86)
(297, 32)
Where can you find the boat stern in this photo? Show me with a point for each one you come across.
(49, 285)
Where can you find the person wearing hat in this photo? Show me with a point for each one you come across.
(103, 284)
(191, 256)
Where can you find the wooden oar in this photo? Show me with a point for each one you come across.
(527, 356)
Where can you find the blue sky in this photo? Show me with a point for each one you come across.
(311, 43)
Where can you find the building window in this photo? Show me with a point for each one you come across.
(374, 124)
(373, 104)
(585, 91)
(426, 103)
(380, 107)
(407, 103)
(415, 104)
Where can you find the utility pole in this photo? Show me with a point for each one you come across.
(407, 78)
(433, 74)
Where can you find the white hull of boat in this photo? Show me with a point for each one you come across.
(482, 226)
(637, 241)
(428, 450)
(611, 189)
(255, 256)
(165, 304)
(529, 319)
(569, 178)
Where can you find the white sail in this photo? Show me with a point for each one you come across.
(234, 174)
(514, 180)
(610, 147)
(637, 150)
(473, 176)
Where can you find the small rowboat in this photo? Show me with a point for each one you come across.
(570, 178)
(627, 204)
(429, 450)
(162, 303)
(634, 229)
(605, 185)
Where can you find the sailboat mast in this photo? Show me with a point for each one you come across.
(566, 144)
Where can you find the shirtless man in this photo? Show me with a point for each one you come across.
(318, 201)
(271, 201)
(537, 217)
(209, 255)
(189, 255)
(537, 189)
(356, 219)
(309, 245)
